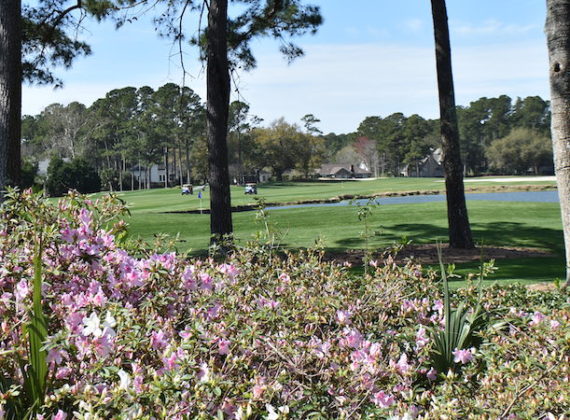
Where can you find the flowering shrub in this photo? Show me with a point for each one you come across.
(137, 334)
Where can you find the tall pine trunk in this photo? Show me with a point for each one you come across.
(166, 169)
(218, 99)
(10, 92)
(458, 220)
(187, 155)
(558, 40)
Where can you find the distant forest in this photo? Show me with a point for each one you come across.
(140, 127)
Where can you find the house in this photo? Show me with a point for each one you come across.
(344, 171)
(246, 175)
(157, 174)
(43, 165)
(429, 166)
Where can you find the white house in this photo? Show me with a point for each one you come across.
(157, 173)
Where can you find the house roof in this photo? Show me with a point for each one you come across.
(335, 168)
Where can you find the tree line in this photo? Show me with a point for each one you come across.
(135, 128)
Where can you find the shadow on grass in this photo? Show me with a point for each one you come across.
(493, 233)
(519, 269)
(512, 234)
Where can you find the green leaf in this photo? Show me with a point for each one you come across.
(35, 372)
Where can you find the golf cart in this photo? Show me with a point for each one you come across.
(187, 189)
(250, 188)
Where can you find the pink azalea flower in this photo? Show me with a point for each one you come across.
(223, 346)
(103, 345)
(60, 415)
(382, 400)
(258, 391)
(432, 374)
(463, 356)
(267, 303)
(99, 299)
(375, 350)
(213, 312)
(322, 349)
(229, 270)
(56, 356)
(438, 306)
(206, 282)
(138, 382)
(85, 217)
(421, 338)
(554, 324)
(353, 338)
(63, 373)
(189, 277)
(186, 333)
(343, 317)
(158, 340)
(171, 362)
(537, 318)
(402, 366)
(74, 321)
(204, 372)
(21, 290)
(284, 277)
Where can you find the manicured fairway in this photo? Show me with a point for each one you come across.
(338, 228)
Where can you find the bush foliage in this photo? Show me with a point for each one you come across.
(76, 174)
(139, 334)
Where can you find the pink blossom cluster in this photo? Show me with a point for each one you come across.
(139, 333)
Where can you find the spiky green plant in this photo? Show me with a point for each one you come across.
(460, 332)
(35, 370)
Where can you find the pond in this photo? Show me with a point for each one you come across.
(520, 196)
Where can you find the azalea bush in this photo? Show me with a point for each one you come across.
(136, 333)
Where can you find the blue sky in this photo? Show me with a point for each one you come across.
(370, 57)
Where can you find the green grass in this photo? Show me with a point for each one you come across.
(338, 229)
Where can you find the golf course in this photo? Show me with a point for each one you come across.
(339, 230)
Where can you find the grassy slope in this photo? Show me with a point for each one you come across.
(493, 223)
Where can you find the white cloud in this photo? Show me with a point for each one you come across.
(343, 84)
(491, 27)
(414, 25)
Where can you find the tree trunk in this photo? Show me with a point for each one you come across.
(558, 40)
(187, 154)
(166, 174)
(132, 178)
(121, 171)
(218, 99)
(459, 229)
(10, 92)
(139, 171)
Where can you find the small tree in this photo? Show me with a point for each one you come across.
(522, 150)
(29, 173)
